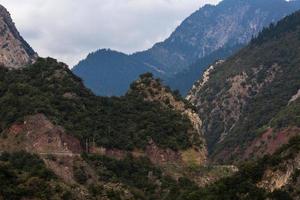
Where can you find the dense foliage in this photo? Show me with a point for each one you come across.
(288, 24)
(289, 115)
(127, 122)
(143, 180)
(23, 175)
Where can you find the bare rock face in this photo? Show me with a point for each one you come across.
(295, 97)
(278, 177)
(15, 52)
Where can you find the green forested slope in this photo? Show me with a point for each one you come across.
(127, 122)
(23, 175)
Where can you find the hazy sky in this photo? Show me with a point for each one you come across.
(69, 29)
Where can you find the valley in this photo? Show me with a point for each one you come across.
(236, 135)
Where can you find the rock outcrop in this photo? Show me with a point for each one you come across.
(15, 52)
(284, 173)
(275, 179)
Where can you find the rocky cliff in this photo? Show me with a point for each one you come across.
(15, 52)
(249, 101)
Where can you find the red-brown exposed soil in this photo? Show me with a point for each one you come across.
(37, 134)
(270, 141)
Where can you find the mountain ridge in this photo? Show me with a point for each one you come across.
(197, 39)
(60, 141)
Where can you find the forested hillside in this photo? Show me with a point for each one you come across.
(128, 122)
(236, 135)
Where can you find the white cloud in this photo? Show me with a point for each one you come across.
(69, 29)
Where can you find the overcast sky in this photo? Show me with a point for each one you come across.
(70, 29)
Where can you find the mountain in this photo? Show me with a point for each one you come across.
(211, 33)
(249, 104)
(48, 87)
(46, 111)
(15, 51)
(60, 141)
(125, 70)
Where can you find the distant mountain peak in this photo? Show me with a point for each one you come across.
(211, 33)
(15, 52)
